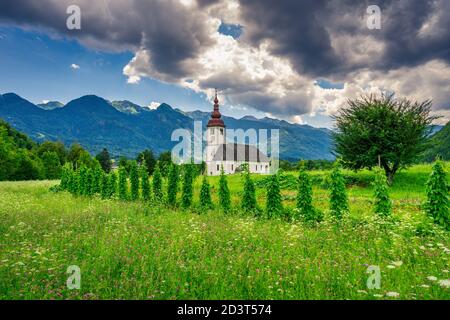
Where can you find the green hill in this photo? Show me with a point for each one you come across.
(439, 145)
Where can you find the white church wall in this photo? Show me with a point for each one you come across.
(229, 167)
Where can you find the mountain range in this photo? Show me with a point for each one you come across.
(125, 128)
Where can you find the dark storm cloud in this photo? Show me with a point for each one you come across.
(304, 32)
(294, 30)
(169, 30)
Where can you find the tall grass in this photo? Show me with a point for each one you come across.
(134, 250)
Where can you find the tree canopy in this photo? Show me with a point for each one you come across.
(381, 130)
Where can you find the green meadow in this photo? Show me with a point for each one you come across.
(138, 250)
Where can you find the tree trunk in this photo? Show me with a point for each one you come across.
(390, 172)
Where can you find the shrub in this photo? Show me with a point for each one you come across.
(96, 178)
(224, 192)
(65, 177)
(249, 196)
(205, 194)
(437, 205)
(73, 182)
(305, 208)
(172, 187)
(157, 184)
(123, 187)
(274, 206)
(145, 183)
(89, 191)
(187, 192)
(104, 186)
(82, 180)
(383, 205)
(134, 181)
(112, 184)
(338, 194)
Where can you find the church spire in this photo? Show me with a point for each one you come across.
(215, 120)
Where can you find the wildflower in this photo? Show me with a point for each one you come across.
(444, 283)
(425, 286)
(397, 263)
(392, 294)
(362, 291)
(391, 267)
(431, 278)
(378, 295)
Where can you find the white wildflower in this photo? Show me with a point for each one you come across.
(444, 283)
(397, 263)
(393, 294)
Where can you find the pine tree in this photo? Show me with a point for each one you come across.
(224, 192)
(383, 205)
(249, 197)
(134, 181)
(338, 194)
(172, 187)
(123, 183)
(305, 207)
(187, 190)
(157, 184)
(437, 205)
(104, 186)
(145, 182)
(205, 195)
(274, 206)
(112, 184)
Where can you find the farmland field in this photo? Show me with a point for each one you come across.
(135, 250)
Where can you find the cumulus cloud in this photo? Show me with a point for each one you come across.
(285, 47)
(74, 66)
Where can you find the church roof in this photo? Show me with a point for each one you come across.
(239, 152)
(216, 120)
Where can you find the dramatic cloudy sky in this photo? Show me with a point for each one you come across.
(290, 59)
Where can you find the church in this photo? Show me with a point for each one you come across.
(230, 156)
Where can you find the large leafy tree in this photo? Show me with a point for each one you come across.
(104, 159)
(381, 130)
(52, 165)
(148, 157)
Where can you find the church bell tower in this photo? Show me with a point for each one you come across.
(215, 132)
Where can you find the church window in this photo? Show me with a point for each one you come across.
(221, 131)
(218, 168)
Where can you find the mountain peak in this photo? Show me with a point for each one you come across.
(164, 107)
(126, 106)
(50, 105)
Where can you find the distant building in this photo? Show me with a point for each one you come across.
(230, 156)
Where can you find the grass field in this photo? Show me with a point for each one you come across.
(132, 250)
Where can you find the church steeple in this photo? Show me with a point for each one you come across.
(215, 120)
